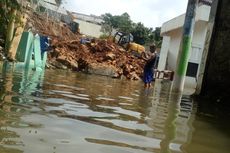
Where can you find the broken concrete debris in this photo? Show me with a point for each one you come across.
(98, 56)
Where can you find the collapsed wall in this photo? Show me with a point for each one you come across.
(98, 56)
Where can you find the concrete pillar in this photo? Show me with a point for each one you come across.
(183, 56)
(164, 53)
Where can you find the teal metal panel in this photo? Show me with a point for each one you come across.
(29, 55)
(44, 58)
(37, 52)
(29, 62)
(24, 46)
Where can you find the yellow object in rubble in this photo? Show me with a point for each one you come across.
(136, 47)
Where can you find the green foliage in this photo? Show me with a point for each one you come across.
(157, 34)
(104, 36)
(6, 6)
(107, 25)
(159, 43)
(142, 35)
(120, 22)
(157, 37)
(9, 17)
(123, 22)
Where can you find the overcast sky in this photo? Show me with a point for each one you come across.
(150, 12)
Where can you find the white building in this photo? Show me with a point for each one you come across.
(172, 35)
(50, 8)
(52, 5)
(88, 24)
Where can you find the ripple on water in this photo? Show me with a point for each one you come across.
(105, 98)
(61, 91)
(76, 97)
(120, 110)
(64, 111)
(126, 98)
(135, 125)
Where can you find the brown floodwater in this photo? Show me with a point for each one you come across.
(70, 112)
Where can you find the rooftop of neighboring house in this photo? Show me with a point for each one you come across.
(88, 18)
(50, 1)
(202, 14)
(52, 5)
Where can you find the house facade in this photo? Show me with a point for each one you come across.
(171, 32)
(89, 25)
(51, 9)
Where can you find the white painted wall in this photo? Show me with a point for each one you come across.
(173, 30)
(196, 50)
(198, 42)
(164, 53)
(174, 44)
(202, 14)
(89, 29)
(175, 38)
(91, 18)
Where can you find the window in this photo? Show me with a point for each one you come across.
(192, 69)
(194, 61)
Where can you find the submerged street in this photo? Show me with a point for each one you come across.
(61, 111)
(114, 76)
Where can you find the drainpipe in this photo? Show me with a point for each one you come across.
(183, 56)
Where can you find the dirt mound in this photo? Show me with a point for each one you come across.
(84, 57)
(96, 56)
(49, 27)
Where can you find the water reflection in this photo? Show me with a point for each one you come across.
(170, 125)
(15, 85)
(62, 111)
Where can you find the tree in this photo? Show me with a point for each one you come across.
(157, 37)
(8, 17)
(120, 22)
(157, 34)
(142, 35)
(124, 23)
(107, 25)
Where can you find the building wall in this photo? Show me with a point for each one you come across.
(175, 39)
(216, 79)
(198, 42)
(202, 14)
(89, 18)
(199, 33)
(89, 29)
(175, 36)
(164, 53)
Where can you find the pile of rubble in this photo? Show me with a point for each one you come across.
(97, 56)
(49, 27)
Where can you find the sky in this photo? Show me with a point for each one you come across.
(152, 13)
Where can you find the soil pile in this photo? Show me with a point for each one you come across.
(49, 27)
(96, 56)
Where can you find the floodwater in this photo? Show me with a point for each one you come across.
(66, 112)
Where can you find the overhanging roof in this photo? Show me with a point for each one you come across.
(202, 14)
